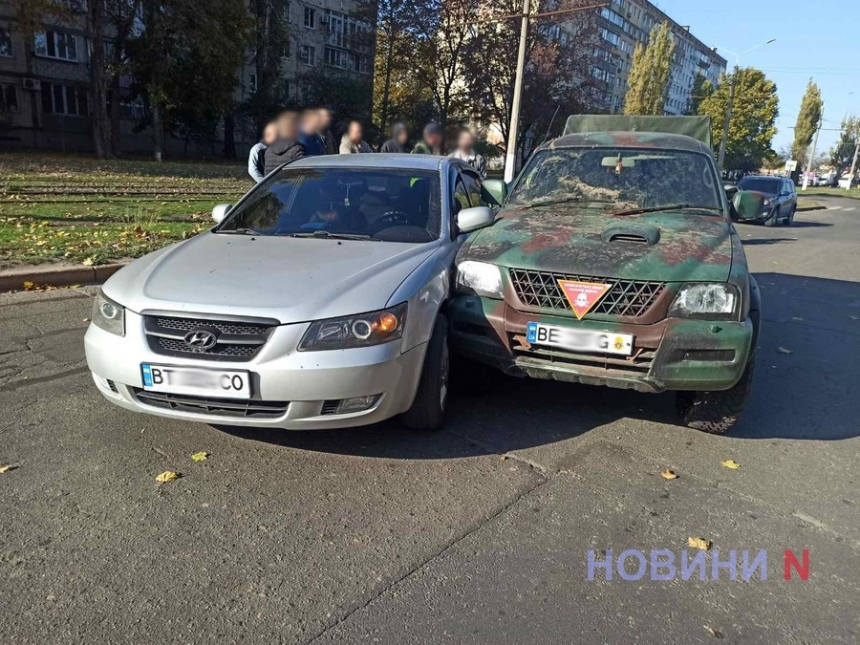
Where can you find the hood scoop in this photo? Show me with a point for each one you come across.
(631, 234)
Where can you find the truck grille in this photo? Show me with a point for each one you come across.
(624, 298)
(214, 407)
(234, 340)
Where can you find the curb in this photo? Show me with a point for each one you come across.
(57, 277)
(806, 209)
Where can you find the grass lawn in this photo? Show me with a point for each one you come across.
(77, 209)
(854, 193)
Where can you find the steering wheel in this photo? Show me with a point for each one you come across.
(393, 217)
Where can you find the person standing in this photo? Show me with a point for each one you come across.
(286, 148)
(353, 141)
(399, 141)
(466, 152)
(309, 134)
(257, 156)
(431, 144)
(329, 145)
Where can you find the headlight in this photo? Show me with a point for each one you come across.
(361, 330)
(768, 202)
(108, 315)
(479, 278)
(706, 300)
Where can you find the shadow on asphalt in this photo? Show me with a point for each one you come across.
(809, 393)
(766, 241)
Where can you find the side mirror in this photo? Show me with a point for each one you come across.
(748, 204)
(497, 190)
(471, 219)
(220, 212)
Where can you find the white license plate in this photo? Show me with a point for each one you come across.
(218, 384)
(580, 340)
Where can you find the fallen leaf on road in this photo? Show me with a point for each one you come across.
(200, 456)
(713, 632)
(503, 457)
(668, 474)
(731, 464)
(783, 350)
(88, 262)
(167, 476)
(699, 543)
(6, 469)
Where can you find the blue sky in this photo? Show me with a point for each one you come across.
(813, 39)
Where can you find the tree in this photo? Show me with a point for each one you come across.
(186, 59)
(270, 43)
(648, 82)
(558, 54)
(808, 120)
(702, 89)
(753, 123)
(347, 96)
(842, 154)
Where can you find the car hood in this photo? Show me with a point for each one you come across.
(671, 247)
(287, 279)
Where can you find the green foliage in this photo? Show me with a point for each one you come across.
(648, 82)
(808, 119)
(753, 123)
(842, 154)
(702, 89)
(346, 96)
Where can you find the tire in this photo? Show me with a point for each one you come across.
(773, 220)
(716, 412)
(428, 408)
(790, 219)
(470, 377)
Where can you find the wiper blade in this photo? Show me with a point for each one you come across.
(239, 231)
(328, 235)
(671, 207)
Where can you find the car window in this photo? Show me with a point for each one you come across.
(461, 197)
(760, 184)
(621, 178)
(395, 205)
(472, 184)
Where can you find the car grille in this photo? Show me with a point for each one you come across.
(639, 363)
(624, 298)
(234, 340)
(214, 407)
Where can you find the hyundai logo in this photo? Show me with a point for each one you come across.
(200, 339)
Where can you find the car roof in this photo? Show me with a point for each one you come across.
(630, 140)
(373, 160)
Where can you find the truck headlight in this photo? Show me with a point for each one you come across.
(361, 330)
(707, 300)
(108, 315)
(479, 278)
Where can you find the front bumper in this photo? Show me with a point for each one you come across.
(671, 354)
(304, 381)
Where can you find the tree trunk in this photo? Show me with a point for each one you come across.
(386, 90)
(98, 82)
(115, 106)
(229, 136)
(157, 130)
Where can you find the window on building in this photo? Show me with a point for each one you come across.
(336, 57)
(54, 44)
(64, 99)
(310, 18)
(309, 55)
(8, 98)
(360, 64)
(5, 42)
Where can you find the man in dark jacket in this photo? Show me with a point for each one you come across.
(329, 144)
(432, 142)
(309, 133)
(399, 141)
(286, 148)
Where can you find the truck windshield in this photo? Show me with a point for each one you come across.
(619, 179)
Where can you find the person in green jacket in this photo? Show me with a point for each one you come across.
(431, 144)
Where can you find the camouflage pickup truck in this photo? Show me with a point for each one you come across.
(613, 261)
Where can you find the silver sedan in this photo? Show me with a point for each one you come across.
(317, 301)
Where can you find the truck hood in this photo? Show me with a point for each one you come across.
(670, 247)
(287, 279)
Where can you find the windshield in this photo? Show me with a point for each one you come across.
(759, 185)
(348, 203)
(619, 179)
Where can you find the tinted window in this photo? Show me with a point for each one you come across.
(391, 205)
(760, 184)
(621, 178)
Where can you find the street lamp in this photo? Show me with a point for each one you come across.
(728, 118)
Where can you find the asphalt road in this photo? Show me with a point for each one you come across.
(379, 535)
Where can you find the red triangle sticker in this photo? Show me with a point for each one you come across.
(582, 296)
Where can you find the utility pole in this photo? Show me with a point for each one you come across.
(808, 168)
(511, 152)
(728, 118)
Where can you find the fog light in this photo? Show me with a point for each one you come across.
(357, 404)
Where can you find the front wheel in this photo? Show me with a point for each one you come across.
(773, 220)
(428, 408)
(716, 412)
(790, 219)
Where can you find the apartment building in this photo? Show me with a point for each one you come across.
(622, 25)
(44, 83)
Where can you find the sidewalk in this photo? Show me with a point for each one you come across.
(55, 275)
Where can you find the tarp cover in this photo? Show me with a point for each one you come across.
(697, 127)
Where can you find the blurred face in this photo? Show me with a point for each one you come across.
(324, 117)
(355, 132)
(434, 139)
(270, 133)
(287, 126)
(310, 122)
(403, 136)
(466, 141)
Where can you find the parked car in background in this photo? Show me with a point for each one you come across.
(780, 198)
(318, 301)
(846, 182)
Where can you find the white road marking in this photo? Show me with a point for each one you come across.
(834, 208)
(849, 209)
